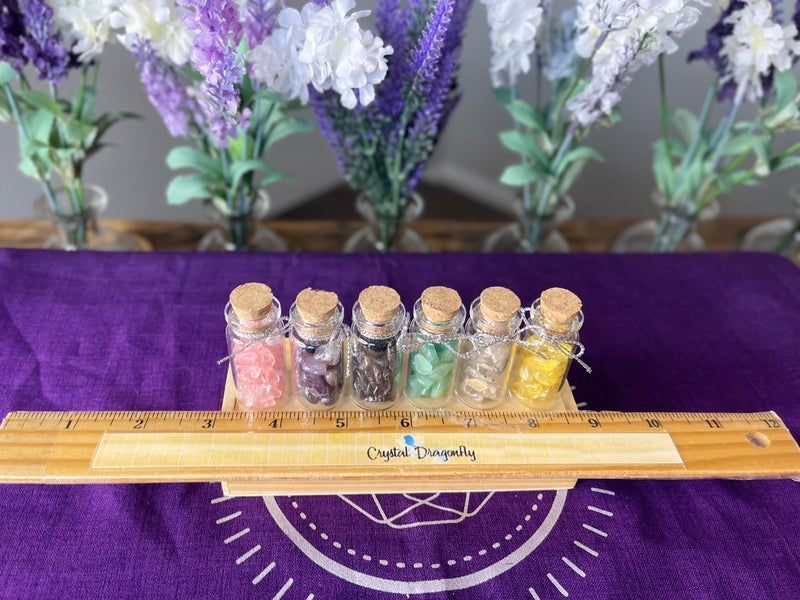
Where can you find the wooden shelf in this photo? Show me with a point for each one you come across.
(330, 235)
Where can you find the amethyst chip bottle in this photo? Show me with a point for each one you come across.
(375, 363)
(317, 337)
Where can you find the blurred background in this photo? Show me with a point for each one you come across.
(467, 161)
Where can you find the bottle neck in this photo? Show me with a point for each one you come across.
(431, 327)
(243, 326)
(479, 322)
(363, 327)
(553, 328)
(316, 332)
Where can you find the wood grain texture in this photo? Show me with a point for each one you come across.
(329, 235)
(63, 448)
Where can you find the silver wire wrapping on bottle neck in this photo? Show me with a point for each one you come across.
(253, 337)
(572, 350)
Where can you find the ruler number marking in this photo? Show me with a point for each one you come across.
(593, 422)
(713, 424)
(140, 424)
(771, 423)
(653, 423)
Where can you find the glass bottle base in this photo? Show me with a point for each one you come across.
(262, 239)
(641, 236)
(510, 239)
(104, 239)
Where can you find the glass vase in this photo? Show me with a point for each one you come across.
(77, 227)
(387, 231)
(675, 229)
(533, 231)
(240, 231)
(778, 235)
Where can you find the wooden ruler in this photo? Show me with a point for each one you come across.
(408, 451)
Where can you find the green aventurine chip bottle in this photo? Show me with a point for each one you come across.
(438, 318)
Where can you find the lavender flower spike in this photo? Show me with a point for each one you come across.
(217, 32)
(259, 20)
(42, 49)
(425, 61)
(12, 31)
(164, 89)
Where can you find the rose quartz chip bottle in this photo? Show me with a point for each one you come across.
(255, 341)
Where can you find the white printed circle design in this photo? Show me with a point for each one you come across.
(319, 546)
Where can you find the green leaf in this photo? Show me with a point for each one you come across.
(272, 178)
(240, 168)
(785, 88)
(287, 127)
(184, 188)
(42, 101)
(686, 123)
(87, 109)
(663, 169)
(188, 157)
(582, 153)
(39, 125)
(779, 163)
(568, 178)
(742, 144)
(267, 94)
(503, 95)
(106, 120)
(516, 141)
(524, 114)
(521, 174)
(79, 134)
(7, 73)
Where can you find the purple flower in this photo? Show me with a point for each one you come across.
(392, 23)
(12, 33)
(711, 52)
(217, 33)
(426, 56)
(382, 148)
(259, 20)
(38, 46)
(164, 88)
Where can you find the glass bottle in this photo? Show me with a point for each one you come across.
(540, 369)
(375, 363)
(482, 379)
(255, 343)
(438, 319)
(317, 337)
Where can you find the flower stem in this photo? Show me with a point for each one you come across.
(664, 113)
(690, 154)
(24, 136)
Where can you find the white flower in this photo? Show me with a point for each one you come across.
(158, 21)
(756, 45)
(323, 46)
(621, 36)
(602, 20)
(85, 24)
(513, 25)
(276, 63)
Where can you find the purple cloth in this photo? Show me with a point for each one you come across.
(715, 332)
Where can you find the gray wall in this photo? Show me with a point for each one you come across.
(469, 157)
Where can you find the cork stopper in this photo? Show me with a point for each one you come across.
(379, 303)
(440, 304)
(559, 305)
(316, 306)
(499, 304)
(251, 301)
